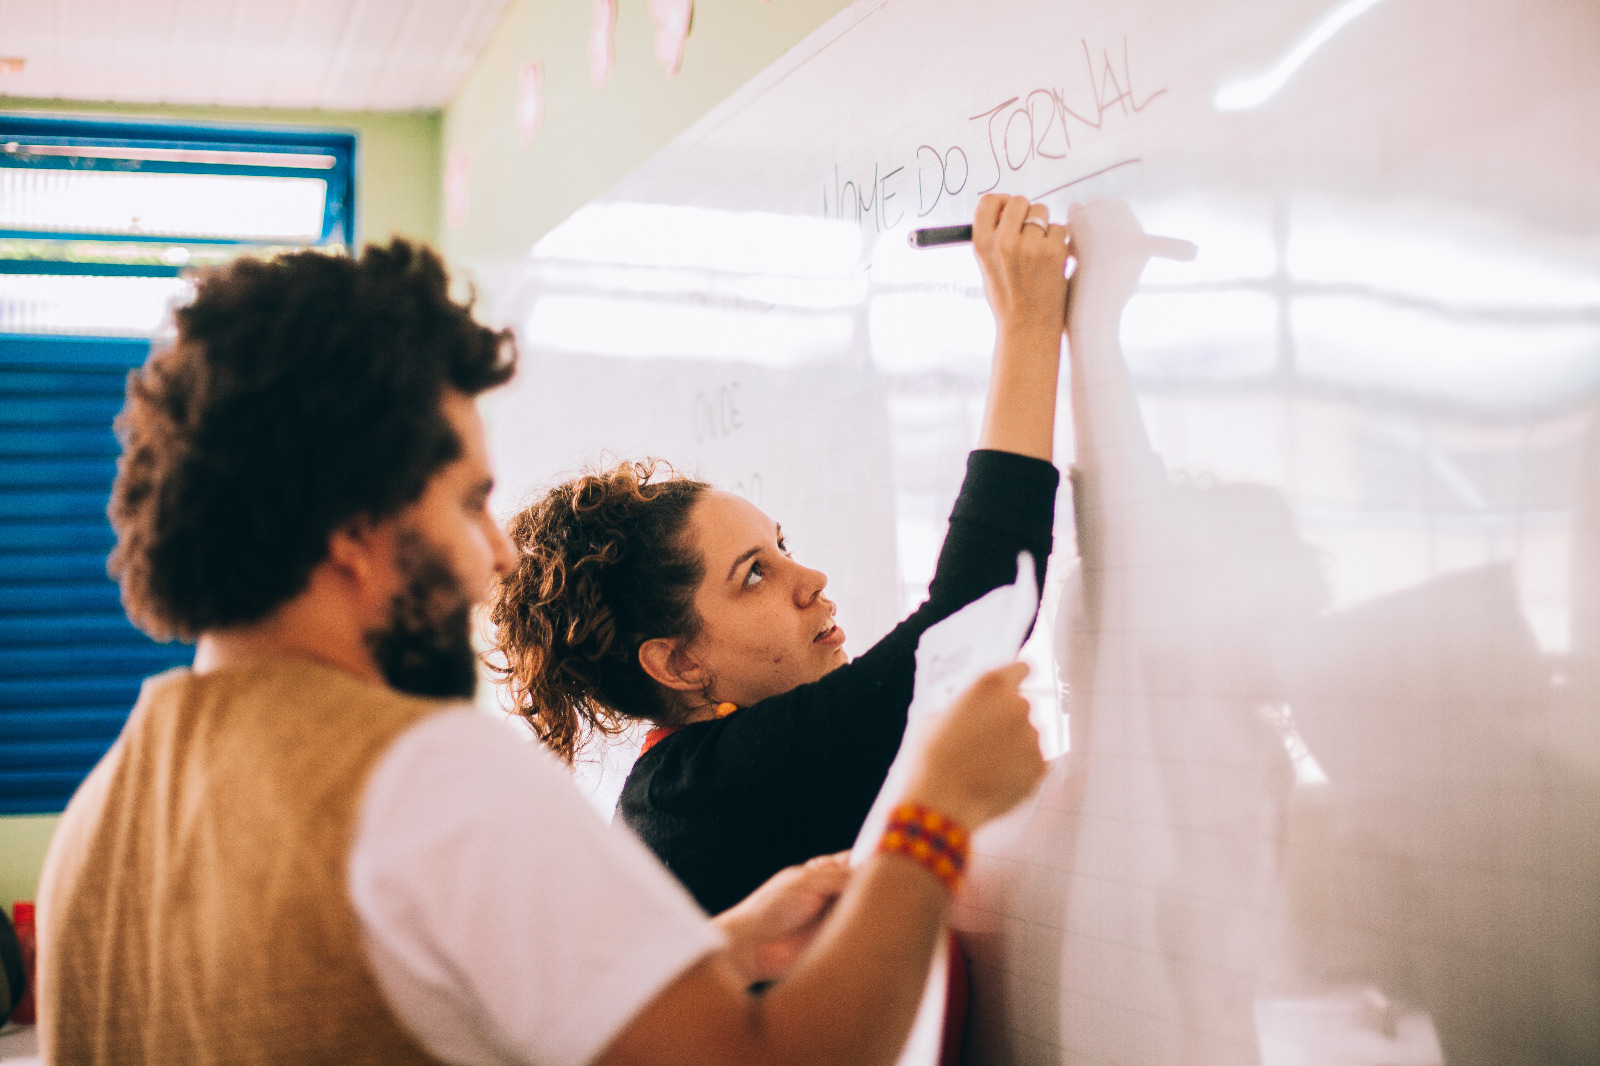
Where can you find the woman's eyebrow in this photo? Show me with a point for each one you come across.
(744, 556)
(777, 528)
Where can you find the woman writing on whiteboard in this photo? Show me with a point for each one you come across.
(669, 601)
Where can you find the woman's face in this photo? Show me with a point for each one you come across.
(766, 627)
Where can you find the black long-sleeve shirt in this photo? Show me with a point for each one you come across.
(728, 803)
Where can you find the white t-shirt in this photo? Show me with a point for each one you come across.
(504, 920)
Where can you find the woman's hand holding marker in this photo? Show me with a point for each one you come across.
(1024, 261)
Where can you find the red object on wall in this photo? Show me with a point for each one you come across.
(22, 918)
(957, 999)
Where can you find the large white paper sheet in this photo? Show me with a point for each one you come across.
(984, 635)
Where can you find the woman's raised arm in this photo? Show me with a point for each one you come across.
(1024, 262)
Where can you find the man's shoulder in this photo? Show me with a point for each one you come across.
(271, 721)
(464, 750)
(287, 684)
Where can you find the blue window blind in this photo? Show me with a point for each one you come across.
(98, 223)
(70, 662)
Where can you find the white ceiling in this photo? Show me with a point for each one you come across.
(368, 55)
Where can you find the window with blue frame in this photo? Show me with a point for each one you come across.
(100, 224)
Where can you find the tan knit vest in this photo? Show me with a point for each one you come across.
(194, 906)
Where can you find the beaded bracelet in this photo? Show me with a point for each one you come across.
(924, 835)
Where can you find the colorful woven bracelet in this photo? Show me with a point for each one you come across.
(926, 836)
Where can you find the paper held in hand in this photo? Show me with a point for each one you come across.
(984, 635)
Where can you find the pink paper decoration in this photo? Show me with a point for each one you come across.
(530, 102)
(602, 47)
(672, 19)
(457, 186)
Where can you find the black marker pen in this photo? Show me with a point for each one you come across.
(934, 236)
(1159, 247)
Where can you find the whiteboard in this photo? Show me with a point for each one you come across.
(1372, 838)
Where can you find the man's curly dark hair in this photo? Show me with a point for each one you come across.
(302, 392)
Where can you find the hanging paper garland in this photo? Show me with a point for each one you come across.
(530, 102)
(602, 46)
(673, 18)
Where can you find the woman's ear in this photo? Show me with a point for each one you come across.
(669, 665)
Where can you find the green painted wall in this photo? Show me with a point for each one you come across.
(397, 175)
(592, 137)
(23, 840)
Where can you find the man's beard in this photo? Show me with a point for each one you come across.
(425, 649)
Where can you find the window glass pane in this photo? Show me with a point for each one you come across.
(232, 206)
(79, 303)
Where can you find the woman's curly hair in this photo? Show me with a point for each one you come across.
(301, 392)
(603, 567)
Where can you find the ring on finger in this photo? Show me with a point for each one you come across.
(1035, 220)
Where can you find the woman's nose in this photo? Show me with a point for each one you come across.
(810, 585)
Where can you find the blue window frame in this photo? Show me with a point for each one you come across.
(99, 221)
